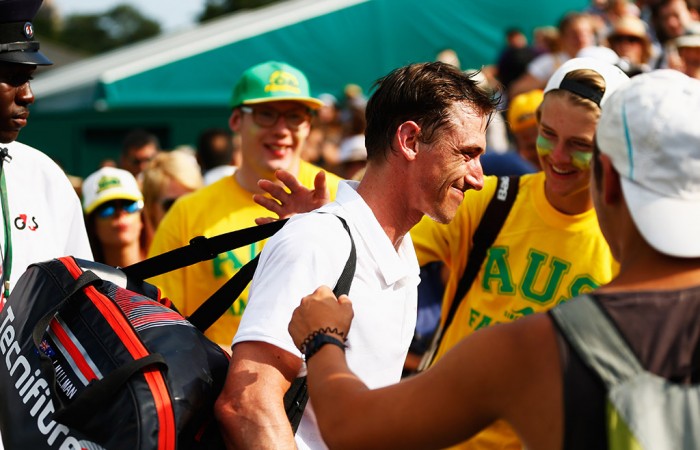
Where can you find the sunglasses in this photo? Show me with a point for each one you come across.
(110, 209)
(268, 117)
(138, 161)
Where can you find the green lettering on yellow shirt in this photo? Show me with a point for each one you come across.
(533, 277)
(496, 271)
(238, 307)
(483, 319)
(227, 263)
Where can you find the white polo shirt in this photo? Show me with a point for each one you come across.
(311, 250)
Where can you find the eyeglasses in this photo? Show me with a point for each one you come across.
(268, 117)
(167, 203)
(624, 38)
(110, 209)
(138, 161)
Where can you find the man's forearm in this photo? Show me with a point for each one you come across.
(250, 408)
(261, 429)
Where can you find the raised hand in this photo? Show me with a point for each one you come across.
(295, 199)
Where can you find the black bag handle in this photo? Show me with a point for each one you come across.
(297, 396)
(98, 392)
(490, 225)
(221, 300)
(200, 249)
(217, 304)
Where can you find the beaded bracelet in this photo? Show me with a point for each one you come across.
(326, 330)
(318, 341)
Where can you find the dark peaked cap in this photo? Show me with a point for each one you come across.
(17, 43)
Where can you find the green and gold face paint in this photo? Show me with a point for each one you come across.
(544, 146)
(580, 160)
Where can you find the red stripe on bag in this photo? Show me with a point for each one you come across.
(154, 378)
(75, 353)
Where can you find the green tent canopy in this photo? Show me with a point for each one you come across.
(176, 85)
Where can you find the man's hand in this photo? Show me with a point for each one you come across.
(321, 310)
(293, 200)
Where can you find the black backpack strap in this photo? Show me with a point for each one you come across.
(297, 396)
(491, 223)
(200, 249)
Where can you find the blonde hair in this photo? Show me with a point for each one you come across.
(586, 77)
(175, 165)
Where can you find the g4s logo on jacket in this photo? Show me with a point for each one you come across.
(22, 222)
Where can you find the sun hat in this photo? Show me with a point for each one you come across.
(109, 183)
(649, 130)
(629, 26)
(522, 110)
(273, 81)
(613, 76)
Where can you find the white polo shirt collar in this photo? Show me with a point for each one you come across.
(393, 265)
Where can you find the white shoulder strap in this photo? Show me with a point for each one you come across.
(596, 340)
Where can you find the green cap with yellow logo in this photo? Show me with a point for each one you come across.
(273, 82)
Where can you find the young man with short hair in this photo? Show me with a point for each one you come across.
(271, 112)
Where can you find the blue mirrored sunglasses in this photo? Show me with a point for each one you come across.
(109, 209)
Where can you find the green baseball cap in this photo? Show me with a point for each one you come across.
(273, 82)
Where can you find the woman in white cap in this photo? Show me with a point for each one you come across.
(112, 203)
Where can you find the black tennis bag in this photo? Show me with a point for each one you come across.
(94, 358)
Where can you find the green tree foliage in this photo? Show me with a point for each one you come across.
(97, 33)
(45, 23)
(216, 8)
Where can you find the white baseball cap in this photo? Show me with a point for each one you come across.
(353, 149)
(691, 38)
(613, 76)
(109, 183)
(649, 130)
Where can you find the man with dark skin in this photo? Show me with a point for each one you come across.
(40, 208)
(43, 210)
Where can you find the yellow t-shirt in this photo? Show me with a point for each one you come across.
(540, 258)
(219, 208)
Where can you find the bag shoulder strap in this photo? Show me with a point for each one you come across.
(594, 337)
(296, 398)
(490, 225)
(342, 287)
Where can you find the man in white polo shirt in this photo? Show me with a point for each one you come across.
(426, 126)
